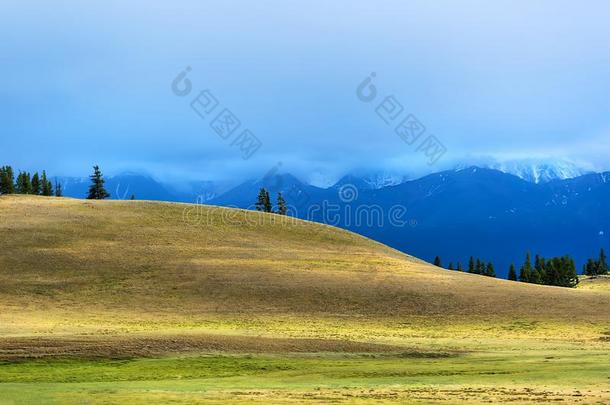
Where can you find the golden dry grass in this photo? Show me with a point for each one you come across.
(105, 257)
(599, 283)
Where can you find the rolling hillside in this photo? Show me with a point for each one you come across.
(563, 212)
(147, 302)
(599, 283)
(75, 255)
(503, 215)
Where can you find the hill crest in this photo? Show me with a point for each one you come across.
(88, 256)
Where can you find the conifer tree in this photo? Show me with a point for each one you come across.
(281, 205)
(450, 267)
(97, 190)
(489, 270)
(526, 269)
(260, 200)
(58, 190)
(552, 271)
(268, 205)
(47, 187)
(478, 269)
(590, 269)
(596, 267)
(459, 267)
(536, 261)
(512, 274)
(36, 184)
(437, 261)
(263, 203)
(602, 265)
(565, 272)
(24, 184)
(561, 271)
(539, 267)
(471, 265)
(7, 181)
(535, 276)
(571, 276)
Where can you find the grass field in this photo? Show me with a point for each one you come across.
(600, 283)
(143, 302)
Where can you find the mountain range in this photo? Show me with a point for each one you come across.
(455, 214)
(144, 187)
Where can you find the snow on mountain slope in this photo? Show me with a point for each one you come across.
(539, 171)
(379, 180)
(536, 171)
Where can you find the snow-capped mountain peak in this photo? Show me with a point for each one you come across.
(384, 179)
(539, 171)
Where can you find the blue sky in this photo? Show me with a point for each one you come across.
(90, 82)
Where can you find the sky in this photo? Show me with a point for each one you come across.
(86, 83)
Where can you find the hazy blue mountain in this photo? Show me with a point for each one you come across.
(357, 181)
(454, 214)
(297, 194)
(123, 186)
(474, 211)
(204, 190)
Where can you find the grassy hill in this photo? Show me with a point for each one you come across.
(599, 283)
(91, 256)
(104, 282)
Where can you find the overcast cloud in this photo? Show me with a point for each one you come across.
(89, 82)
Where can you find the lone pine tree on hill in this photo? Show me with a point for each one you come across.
(263, 202)
(437, 261)
(97, 190)
(281, 205)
